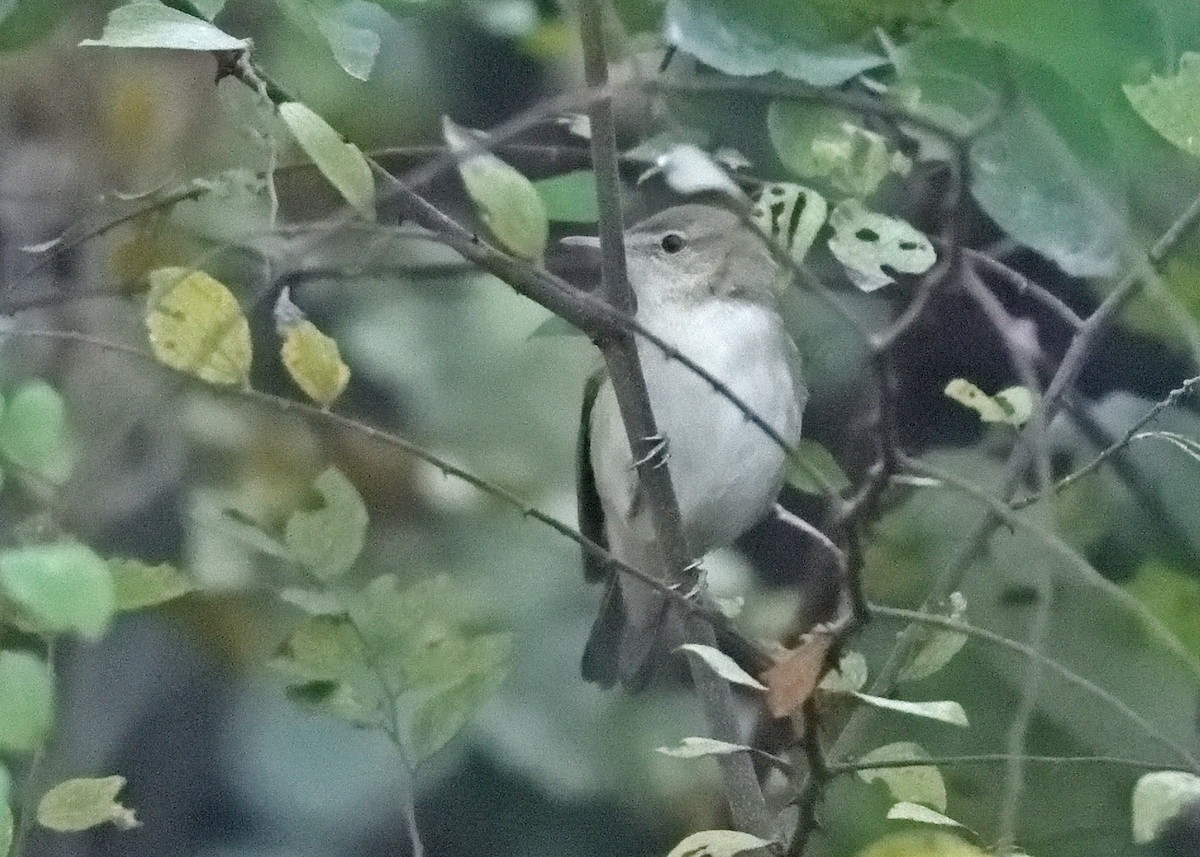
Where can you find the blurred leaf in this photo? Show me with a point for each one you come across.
(793, 677)
(786, 36)
(1168, 104)
(824, 143)
(920, 784)
(791, 215)
(6, 829)
(314, 362)
(850, 675)
(322, 648)
(329, 539)
(443, 715)
(153, 25)
(340, 162)
(453, 659)
(695, 748)
(33, 431)
(26, 701)
(138, 584)
(717, 843)
(208, 8)
(59, 587)
(353, 47)
(508, 203)
(79, 804)
(1158, 798)
(906, 811)
(196, 325)
(1013, 405)
(335, 699)
(570, 198)
(723, 665)
(812, 465)
(1173, 596)
(23, 22)
(866, 243)
(935, 647)
(946, 711)
(932, 843)
(687, 169)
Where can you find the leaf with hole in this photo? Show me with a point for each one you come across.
(196, 325)
(83, 803)
(869, 244)
(1012, 406)
(791, 215)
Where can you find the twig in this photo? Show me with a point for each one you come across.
(841, 768)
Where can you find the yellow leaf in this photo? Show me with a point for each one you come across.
(314, 362)
(196, 325)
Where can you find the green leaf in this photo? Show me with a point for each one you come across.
(935, 647)
(208, 8)
(83, 803)
(1168, 104)
(850, 676)
(454, 658)
(6, 829)
(443, 715)
(723, 665)
(824, 143)
(920, 784)
(1013, 406)
(947, 711)
(508, 202)
(1158, 798)
(329, 539)
(335, 699)
(694, 748)
(153, 25)
(866, 243)
(322, 648)
(354, 47)
(906, 811)
(922, 843)
(717, 843)
(791, 215)
(26, 701)
(570, 198)
(340, 162)
(783, 36)
(33, 431)
(813, 468)
(138, 584)
(60, 587)
(1173, 596)
(195, 325)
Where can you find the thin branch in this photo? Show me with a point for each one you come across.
(842, 768)
(1024, 285)
(1031, 653)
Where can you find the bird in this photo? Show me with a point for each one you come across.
(706, 284)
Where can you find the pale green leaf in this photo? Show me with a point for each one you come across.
(1158, 798)
(867, 243)
(354, 47)
(453, 658)
(33, 431)
(1012, 406)
(919, 784)
(340, 162)
(723, 665)
(1168, 104)
(947, 711)
(813, 468)
(314, 362)
(717, 843)
(26, 701)
(328, 540)
(195, 325)
(935, 646)
(322, 648)
(59, 587)
(508, 203)
(850, 675)
(791, 215)
(139, 584)
(687, 169)
(823, 143)
(570, 198)
(338, 700)
(443, 715)
(153, 25)
(6, 829)
(83, 803)
(694, 748)
(906, 811)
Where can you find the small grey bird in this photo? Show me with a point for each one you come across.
(706, 284)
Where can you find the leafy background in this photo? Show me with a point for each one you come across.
(1081, 160)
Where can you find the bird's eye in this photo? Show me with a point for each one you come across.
(673, 242)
